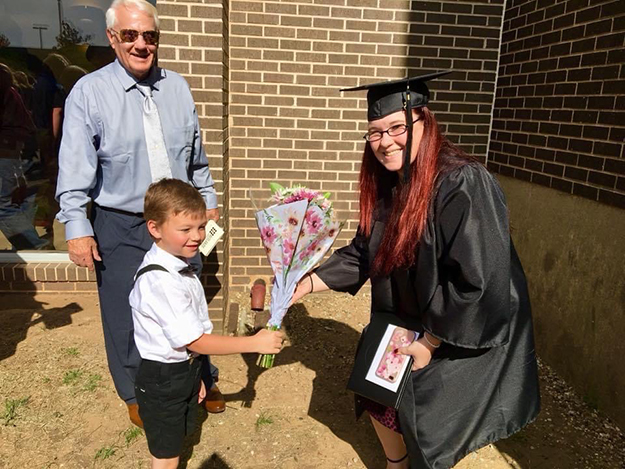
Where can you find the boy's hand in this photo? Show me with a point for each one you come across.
(269, 341)
(202, 393)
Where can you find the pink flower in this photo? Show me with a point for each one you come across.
(301, 194)
(268, 235)
(313, 222)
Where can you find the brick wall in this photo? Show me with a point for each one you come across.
(559, 117)
(290, 124)
(194, 43)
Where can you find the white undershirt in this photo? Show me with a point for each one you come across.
(169, 309)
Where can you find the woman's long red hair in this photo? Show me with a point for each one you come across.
(408, 217)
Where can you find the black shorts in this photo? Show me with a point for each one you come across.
(167, 395)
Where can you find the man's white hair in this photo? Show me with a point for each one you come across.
(142, 5)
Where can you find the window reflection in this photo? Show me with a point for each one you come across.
(46, 46)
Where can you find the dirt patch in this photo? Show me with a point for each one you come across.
(60, 408)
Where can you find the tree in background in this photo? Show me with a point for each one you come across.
(4, 41)
(70, 35)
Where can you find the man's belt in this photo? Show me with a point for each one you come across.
(121, 212)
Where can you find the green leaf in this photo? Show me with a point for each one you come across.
(275, 187)
(327, 195)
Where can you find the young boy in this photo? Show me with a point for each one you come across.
(171, 321)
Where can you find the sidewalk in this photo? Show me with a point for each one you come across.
(61, 409)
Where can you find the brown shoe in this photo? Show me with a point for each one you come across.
(214, 401)
(133, 413)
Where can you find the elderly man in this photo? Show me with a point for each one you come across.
(126, 125)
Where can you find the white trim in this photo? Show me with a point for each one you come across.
(28, 257)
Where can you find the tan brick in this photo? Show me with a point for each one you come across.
(214, 27)
(280, 7)
(311, 80)
(263, 43)
(27, 286)
(246, 6)
(298, 21)
(167, 24)
(363, 26)
(309, 10)
(205, 41)
(343, 59)
(328, 23)
(174, 39)
(190, 54)
(288, 44)
(293, 68)
(319, 34)
(344, 36)
(206, 12)
(328, 46)
(170, 9)
(279, 100)
(63, 286)
(257, 18)
(190, 26)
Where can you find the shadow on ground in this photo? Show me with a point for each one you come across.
(326, 347)
(20, 312)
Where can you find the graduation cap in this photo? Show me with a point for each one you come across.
(387, 97)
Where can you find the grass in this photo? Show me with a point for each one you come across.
(72, 351)
(105, 452)
(72, 376)
(11, 407)
(92, 382)
(263, 419)
(131, 434)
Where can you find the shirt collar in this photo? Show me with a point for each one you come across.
(128, 81)
(167, 260)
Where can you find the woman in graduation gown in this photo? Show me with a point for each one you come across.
(434, 241)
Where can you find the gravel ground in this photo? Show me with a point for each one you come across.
(60, 409)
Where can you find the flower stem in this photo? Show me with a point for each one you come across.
(266, 359)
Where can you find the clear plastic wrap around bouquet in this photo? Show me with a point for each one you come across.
(296, 231)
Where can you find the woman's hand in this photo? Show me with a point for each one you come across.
(303, 288)
(421, 352)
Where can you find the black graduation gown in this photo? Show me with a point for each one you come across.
(467, 288)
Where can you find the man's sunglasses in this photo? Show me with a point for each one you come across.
(131, 35)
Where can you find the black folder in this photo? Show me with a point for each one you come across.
(369, 343)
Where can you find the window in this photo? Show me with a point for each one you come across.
(45, 47)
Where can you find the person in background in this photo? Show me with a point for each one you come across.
(16, 201)
(126, 125)
(434, 240)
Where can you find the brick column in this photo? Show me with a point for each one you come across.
(194, 43)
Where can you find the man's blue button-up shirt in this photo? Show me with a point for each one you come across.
(103, 155)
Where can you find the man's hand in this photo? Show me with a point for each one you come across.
(212, 214)
(83, 251)
(202, 394)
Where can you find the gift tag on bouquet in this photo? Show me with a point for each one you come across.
(213, 234)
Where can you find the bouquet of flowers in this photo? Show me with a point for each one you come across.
(297, 231)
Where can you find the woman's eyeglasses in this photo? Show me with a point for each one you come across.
(131, 35)
(394, 131)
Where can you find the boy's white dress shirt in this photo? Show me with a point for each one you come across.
(169, 309)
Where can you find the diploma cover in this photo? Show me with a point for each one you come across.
(364, 380)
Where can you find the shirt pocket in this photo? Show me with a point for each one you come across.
(180, 143)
